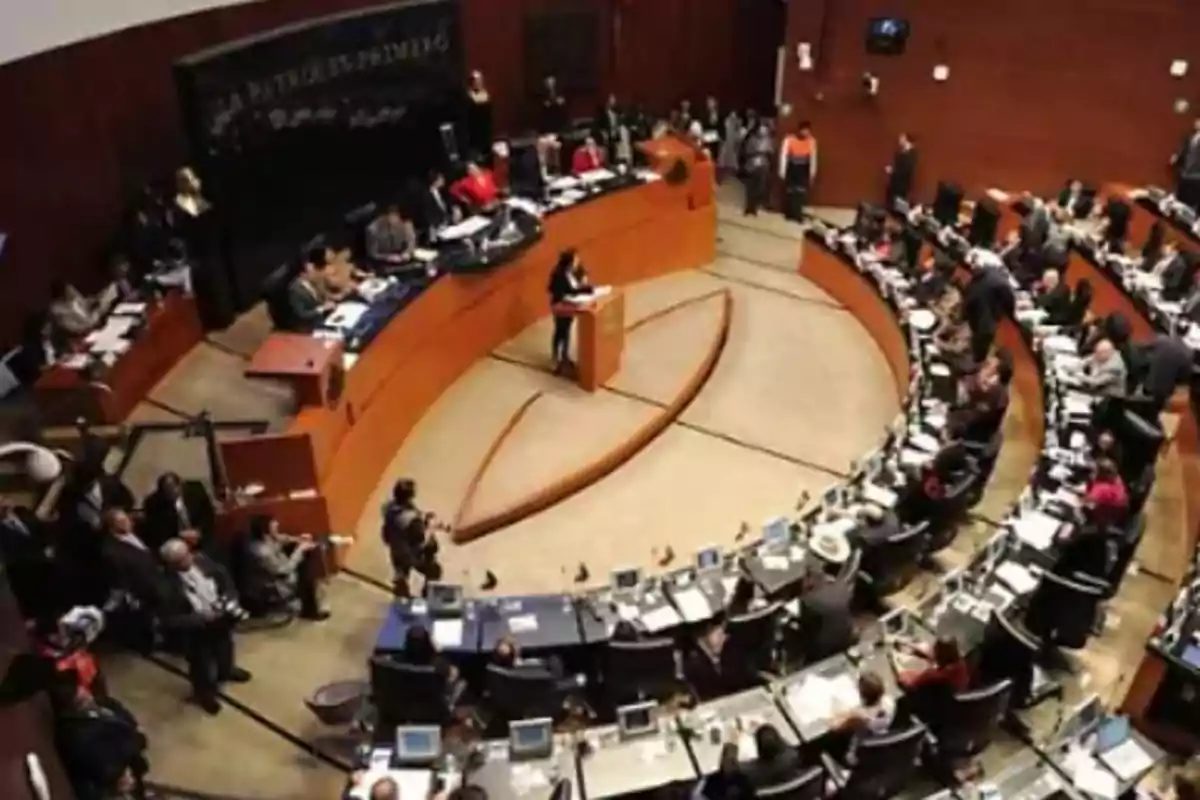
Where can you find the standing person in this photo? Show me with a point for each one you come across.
(479, 118)
(564, 284)
(406, 534)
(798, 169)
(553, 111)
(757, 164)
(731, 146)
(901, 171)
(1187, 169)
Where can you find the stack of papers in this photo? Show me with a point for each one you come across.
(922, 319)
(596, 175)
(468, 227)
(523, 623)
(1037, 529)
(1088, 776)
(1128, 760)
(447, 632)
(660, 619)
(693, 605)
(346, 315)
(111, 337)
(563, 183)
(526, 778)
(129, 309)
(1016, 577)
(1059, 344)
(818, 699)
(880, 496)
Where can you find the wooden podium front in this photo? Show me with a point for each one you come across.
(600, 338)
(312, 366)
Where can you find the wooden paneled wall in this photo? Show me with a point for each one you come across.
(86, 125)
(1038, 91)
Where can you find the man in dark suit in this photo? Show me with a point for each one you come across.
(131, 565)
(90, 491)
(1074, 200)
(534, 165)
(437, 208)
(876, 526)
(306, 305)
(826, 623)
(99, 740)
(553, 112)
(988, 297)
(1035, 226)
(1178, 275)
(27, 549)
(178, 509)
(198, 604)
(1169, 363)
(1187, 168)
(901, 171)
(1054, 297)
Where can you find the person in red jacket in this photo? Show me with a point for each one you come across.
(587, 158)
(477, 189)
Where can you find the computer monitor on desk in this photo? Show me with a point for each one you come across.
(636, 720)
(417, 745)
(530, 739)
(626, 579)
(710, 558)
(444, 599)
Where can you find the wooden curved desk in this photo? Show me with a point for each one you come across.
(320, 473)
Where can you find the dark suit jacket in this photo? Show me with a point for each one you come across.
(98, 744)
(870, 535)
(1177, 277)
(525, 173)
(1035, 226)
(175, 609)
(1169, 364)
(904, 169)
(826, 624)
(432, 214)
(763, 774)
(304, 306)
(31, 572)
(1056, 303)
(113, 493)
(560, 287)
(1078, 206)
(988, 297)
(162, 520)
(132, 569)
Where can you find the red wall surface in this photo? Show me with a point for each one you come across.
(86, 125)
(1038, 91)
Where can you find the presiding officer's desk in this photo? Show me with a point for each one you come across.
(340, 447)
(102, 386)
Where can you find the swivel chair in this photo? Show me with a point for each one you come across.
(889, 567)
(275, 294)
(751, 644)
(883, 765)
(640, 670)
(408, 694)
(809, 785)
(951, 511)
(965, 725)
(524, 692)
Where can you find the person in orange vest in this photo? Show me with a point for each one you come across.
(798, 170)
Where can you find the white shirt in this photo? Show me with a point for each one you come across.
(201, 590)
(132, 540)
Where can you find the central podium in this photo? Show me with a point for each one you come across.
(600, 338)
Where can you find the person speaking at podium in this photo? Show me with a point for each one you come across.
(477, 189)
(587, 158)
(567, 281)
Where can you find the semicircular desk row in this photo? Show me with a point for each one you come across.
(357, 408)
(650, 746)
(1162, 697)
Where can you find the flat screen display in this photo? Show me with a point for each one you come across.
(887, 36)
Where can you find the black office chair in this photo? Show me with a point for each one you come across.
(809, 785)
(640, 670)
(951, 511)
(847, 573)
(275, 295)
(883, 765)
(561, 790)
(1062, 610)
(751, 644)
(1008, 653)
(1081, 300)
(966, 725)
(889, 567)
(525, 692)
(355, 222)
(408, 694)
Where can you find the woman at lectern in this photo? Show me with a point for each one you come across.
(566, 281)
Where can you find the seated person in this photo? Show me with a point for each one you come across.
(876, 526)
(477, 189)
(508, 655)
(1168, 262)
(944, 665)
(587, 157)
(420, 651)
(930, 283)
(1104, 370)
(953, 339)
(339, 276)
(306, 303)
(776, 762)
(702, 666)
(1106, 500)
(826, 625)
(873, 717)
(437, 207)
(1075, 201)
(42, 344)
(286, 568)
(371, 786)
(1106, 446)
(99, 741)
(730, 782)
(124, 286)
(1053, 297)
(72, 314)
(178, 509)
(391, 237)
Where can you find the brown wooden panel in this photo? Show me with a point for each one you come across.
(1037, 91)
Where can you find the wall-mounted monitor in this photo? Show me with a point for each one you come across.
(887, 36)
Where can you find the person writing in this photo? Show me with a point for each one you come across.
(587, 158)
(477, 189)
(798, 170)
(391, 238)
(564, 285)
